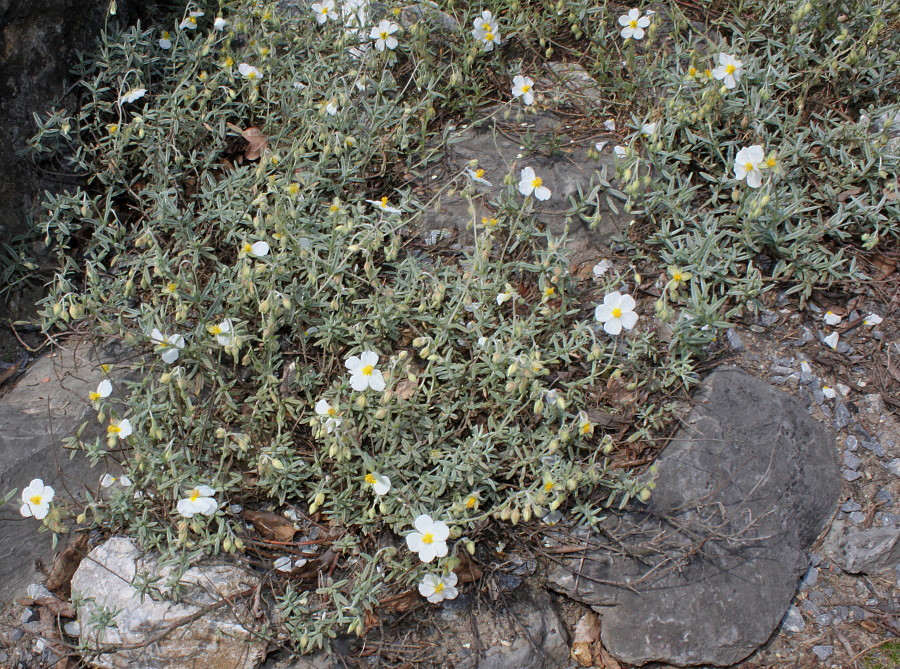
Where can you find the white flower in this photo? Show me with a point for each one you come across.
(599, 146)
(748, 164)
(119, 428)
(108, 480)
(832, 318)
(331, 108)
(164, 41)
(323, 408)
(602, 268)
(190, 21)
(832, 340)
(132, 95)
(384, 206)
(610, 125)
(829, 392)
(324, 10)
(383, 34)
(438, 588)
(36, 499)
(478, 176)
(380, 484)
(220, 23)
(198, 500)
(168, 346)
(873, 319)
(616, 312)
(222, 332)
(256, 249)
(430, 538)
(363, 373)
(504, 297)
(729, 70)
(523, 88)
(103, 390)
(620, 151)
(249, 72)
(634, 24)
(648, 129)
(529, 184)
(283, 563)
(483, 24)
(489, 40)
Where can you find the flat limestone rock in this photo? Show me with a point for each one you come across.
(47, 405)
(703, 574)
(220, 638)
(859, 550)
(564, 165)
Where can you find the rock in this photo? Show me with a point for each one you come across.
(863, 550)
(47, 404)
(793, 622)
(570, 82)
(565, 167)
(823, 652)
(220, 636)
(851, 475)
(851, 461)
(893, 466)
(734, 339)
(527, 635)
(39, 42)
(706, 571)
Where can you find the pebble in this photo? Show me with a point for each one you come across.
(810, 607)
(859, 613)
(734, 339)
(823, 620)
(857, 517)
(893, 466)
(850, 475)
(817, 596)
(29, 616)
(843, 347)
(17, 634)
(850, 506)
(768, 318)
(782, 369)
(851, 442)
(793, 622)
(823, 652)
(810, 578)
(875, 446)
(841, 415)
(883, 495)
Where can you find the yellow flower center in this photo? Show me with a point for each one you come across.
(586, 428)
(771, 162)
(633, 24)
(428, 538)
(617, 313)
(113, 429)
(94, 396)
(332, 411)
(548, 486)
(488, 36)
(171, 287)
(748, 166)
(677, 276)
(367, 370)
(252, 74)
(488, 221)
(526, 88)
(112, 128)
(324, 11)
(293, 189)
(470, 502)
(229, 62)
(333, 208)
(247, 248)
(730, 69)
(384, 201)
(165, 34)
(384, 34)
(36, 499)
(215, 330)
(692, 72)
(537, 182)
(479, 173)
(439, 587)
(486, 27)
(194, 495)
(549, 290)
(708, 73)
(370, 479)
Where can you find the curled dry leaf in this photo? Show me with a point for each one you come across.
(271, 525)
(259, 143)
(587, 631)
(406, 389)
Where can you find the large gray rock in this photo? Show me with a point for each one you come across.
(557, 155)
(863, 550)
(47, 405)
(704, 573)
(209, 627)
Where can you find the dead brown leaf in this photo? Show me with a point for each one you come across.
(843, 196)
(271, 525)
(602, 658)
(587, 631)
(258, 142)
(60, 579)
(406, 389)
(467, 571)
(885, 266)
